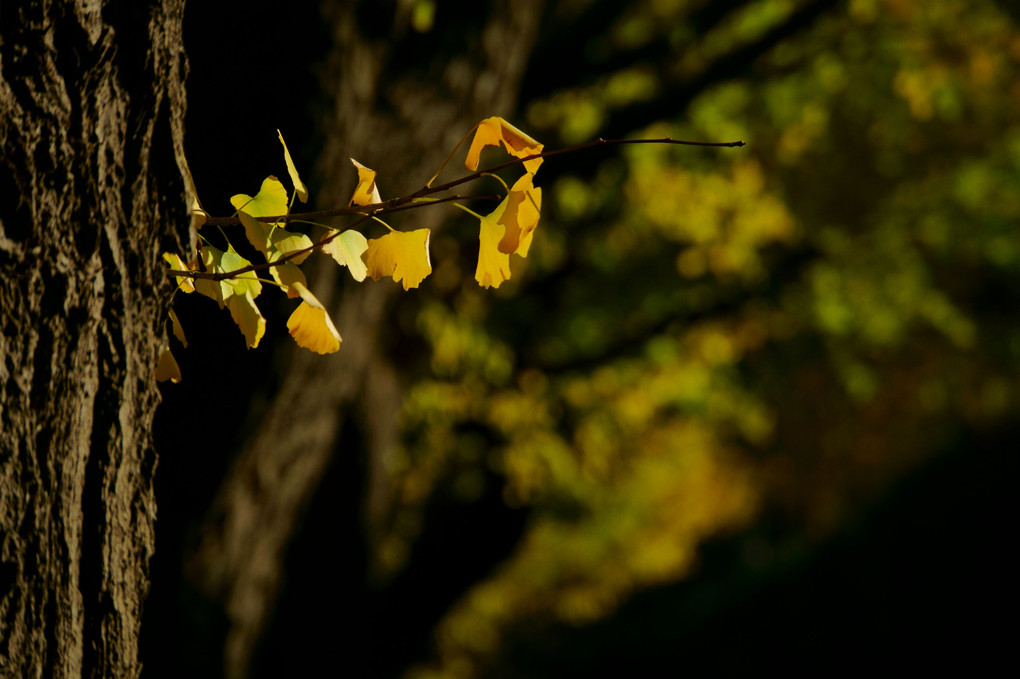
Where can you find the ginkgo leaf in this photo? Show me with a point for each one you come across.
(198, 215)
(274, 241)
(310, 324)
(288, 275)
(211, 289)
(270, 201)
(178, 329)
(242, 283)
(217, 261)
(299, 186)
(175, 262)
(285, 242)
(402, 255)
(248, 318)
(523, 208)
(493, 266)
(366, 192)
(257, 232)
(495, 131)
(347, 249)
(167, 368)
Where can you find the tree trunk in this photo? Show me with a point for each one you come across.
(401, 102)
(91, 140)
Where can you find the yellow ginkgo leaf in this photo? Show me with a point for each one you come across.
(347, 249)
(288, 275)
(299, 186)
(310, 325)
(274, 241)
(366, 192)
(495, 131)
(402, 255)
(198, 215)
(242, 283)
(270, 201)
(217, 261)
(248, 318)
(218, 291)
(493, 266)
(285, 242)
(523, 208)
(175, 262)
(167, 368)
(178, 329)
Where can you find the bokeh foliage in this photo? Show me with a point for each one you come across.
(702, 339)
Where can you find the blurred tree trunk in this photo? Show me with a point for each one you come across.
(401, 100)
(91, 128)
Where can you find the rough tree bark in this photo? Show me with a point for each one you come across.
(91, 173)
(399, 108)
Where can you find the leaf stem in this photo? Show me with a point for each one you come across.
(468, 210)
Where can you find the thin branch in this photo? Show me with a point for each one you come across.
(429, 190)
(409, 202)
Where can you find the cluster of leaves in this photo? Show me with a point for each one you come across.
(232, 281)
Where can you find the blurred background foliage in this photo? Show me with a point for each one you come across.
(703, 340)
(696, 415)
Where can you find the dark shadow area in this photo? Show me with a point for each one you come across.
(920, 581)
(241, 87)
(330, 609)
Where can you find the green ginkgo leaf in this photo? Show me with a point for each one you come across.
(270, 201)
(286, 242)
(243, 283)
(347, 249)
(218, 261)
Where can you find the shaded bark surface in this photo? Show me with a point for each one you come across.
(91, 141)
(398, 101)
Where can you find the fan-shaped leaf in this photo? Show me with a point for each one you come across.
(402, 255)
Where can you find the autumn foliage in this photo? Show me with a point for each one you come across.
(234, 283)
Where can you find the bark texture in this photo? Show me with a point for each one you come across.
(399, 105)
(91, 166)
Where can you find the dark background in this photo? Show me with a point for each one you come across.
(880, 521)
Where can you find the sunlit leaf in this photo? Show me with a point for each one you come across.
(366, 192)
(310, 324)
(299, 186)
(285, 242)
(347, 249)
(288, 275)
(493, 266)
(402, 255)
(243, 283)
(257, 232)
(218, 261)
(167, 368)
(175, 262)
(495, 131)
(177, 328)
(507, 230)
(198, 215)
(248, 318)
(523, 208)
(270, 201)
